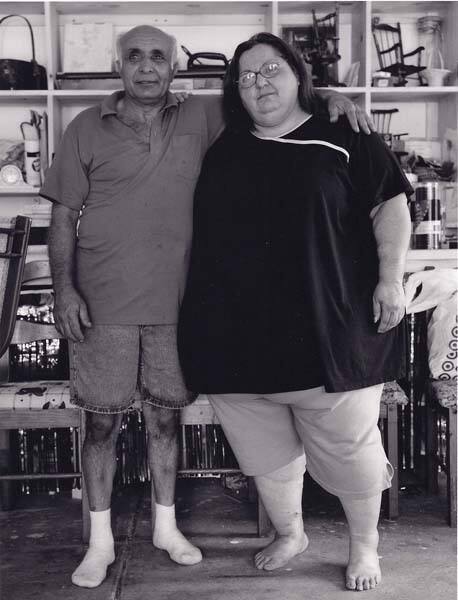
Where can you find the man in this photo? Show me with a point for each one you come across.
(122, 185)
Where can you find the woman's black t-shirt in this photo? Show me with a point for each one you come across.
(284, 264)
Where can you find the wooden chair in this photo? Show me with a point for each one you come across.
(22, 404)
(441, 446)
(14, 236)
(393, 397)
(325, 49)
(391, 55)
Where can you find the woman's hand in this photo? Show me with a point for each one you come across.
(338, 104)
(389, 305)
(181, 96)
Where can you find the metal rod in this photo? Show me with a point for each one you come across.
(27, 476)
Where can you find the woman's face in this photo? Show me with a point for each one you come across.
(269, 101)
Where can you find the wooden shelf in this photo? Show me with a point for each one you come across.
(403, 94)
(418, 260)
(19, 190)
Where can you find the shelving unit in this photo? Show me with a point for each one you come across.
(425, 112)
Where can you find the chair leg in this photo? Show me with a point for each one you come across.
(392, 435)
(8, 489)
(431, 448)
(262, 518)
(264, 524)
(451, 465)
(153, 506)
(86, 526)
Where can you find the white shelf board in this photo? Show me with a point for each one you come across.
(416, 7)
(26, 8)
(82, 94)
(68, 95)
(344, 90)
(23, 95)
(418, 260)
(403, 94)
(19, 190)
(161, 8)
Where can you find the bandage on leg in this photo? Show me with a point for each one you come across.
(168, 537)
(281, 493)
(93, 569)
(363, 570)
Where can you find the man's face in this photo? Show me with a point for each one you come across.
(146, 64)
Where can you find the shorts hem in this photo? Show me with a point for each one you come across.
(161, 403)
(373, 491)
(103, 410)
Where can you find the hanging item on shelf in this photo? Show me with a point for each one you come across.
(18, 74)
(430, 29)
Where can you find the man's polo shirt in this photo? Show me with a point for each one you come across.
(135, 198)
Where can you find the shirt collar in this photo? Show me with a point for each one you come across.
(108, 105)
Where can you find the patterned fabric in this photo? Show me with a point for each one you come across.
(443, 340)
(393, 394)
(32, 395)
(444, 392)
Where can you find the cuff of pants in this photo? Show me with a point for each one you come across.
(384, 484)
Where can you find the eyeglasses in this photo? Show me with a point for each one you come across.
(268, 70)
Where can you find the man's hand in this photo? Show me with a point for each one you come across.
(389, 305)
(338, 104)
(71, 314)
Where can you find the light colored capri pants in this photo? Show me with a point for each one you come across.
(338, 431)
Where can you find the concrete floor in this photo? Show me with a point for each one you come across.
(41, 547)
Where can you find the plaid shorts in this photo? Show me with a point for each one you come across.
(118, 364)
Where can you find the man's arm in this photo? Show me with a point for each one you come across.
(70, 310)
(338, 104)
(391, 225)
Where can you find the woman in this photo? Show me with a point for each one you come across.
(291, 320)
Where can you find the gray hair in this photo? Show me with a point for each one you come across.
(121, 36)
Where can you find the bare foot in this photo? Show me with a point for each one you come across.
(280, 551)
(363, 571)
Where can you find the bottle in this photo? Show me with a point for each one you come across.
(32, 162)
(425, 212)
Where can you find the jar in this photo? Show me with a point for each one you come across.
(430, 30)
(426, 217)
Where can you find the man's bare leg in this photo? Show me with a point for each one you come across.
(281, 493)
(99, 465)
(363, 570)
(162, 426)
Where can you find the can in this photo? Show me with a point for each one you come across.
(426, 217)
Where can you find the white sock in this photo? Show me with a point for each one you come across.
(100, 554)
(167, 537)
